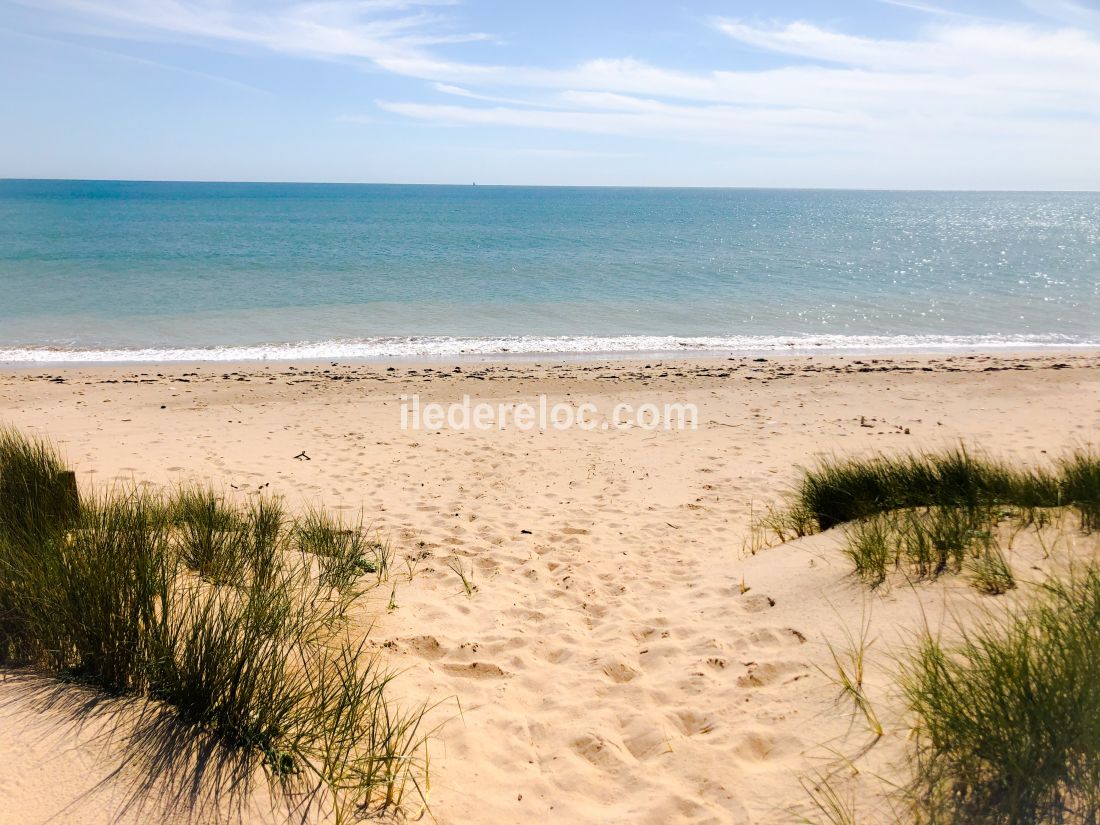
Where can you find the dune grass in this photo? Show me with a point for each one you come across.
(1009, 717)
(1080, 475)
(931, 513)
(836, 491)
(848, 671)
(343, 551)
(233, 615)
(212, 536)
(924, 542)
(89, 603)
(34, 498)
(990, 572)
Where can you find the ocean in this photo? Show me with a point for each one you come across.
(125, 271)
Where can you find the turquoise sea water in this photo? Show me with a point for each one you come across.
(158, 271)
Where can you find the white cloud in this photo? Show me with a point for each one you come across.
(458, 91)
(963, 85)
(364, 29)
(926, 8)
(1069, 11)
(972, 48)
(634, 117)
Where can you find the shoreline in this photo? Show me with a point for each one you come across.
(624, 359)
(416, 349)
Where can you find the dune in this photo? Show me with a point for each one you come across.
(601, 634)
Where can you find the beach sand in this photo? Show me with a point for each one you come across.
(623, 657)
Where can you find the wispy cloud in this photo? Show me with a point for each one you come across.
(458, 91)
(961, 81)
(638, 117)
(927, 8)
(1068, 11)
(363, 29)
(978, 48)
(114, 55)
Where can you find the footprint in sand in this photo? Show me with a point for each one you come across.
(599, 751)
(693, 722)
(426, 646)
(774, 637)
(756, 603)
(760, 675)
(619, 672)
(642, 738)
(476, 670)
(755, 746)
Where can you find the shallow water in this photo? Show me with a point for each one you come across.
(114, 271)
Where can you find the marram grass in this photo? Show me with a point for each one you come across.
(990, 573)
(839, 491)
(34, 493)
(1080, 480)
(233, 615)
(1008, 718)
(926, 514)
(924, 543)
(344, 552)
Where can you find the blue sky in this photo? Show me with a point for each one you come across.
(854, 93)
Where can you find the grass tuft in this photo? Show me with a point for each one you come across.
(1009, 718)
(871, 547)
(37, 490)
(836, 492)
(924, 542)
(90, 603)
(934, 513)
(990, 572)
(214, 609)
(212, 536)
(849, 665)
(465, 574)
(344, 553)
(1081, 486)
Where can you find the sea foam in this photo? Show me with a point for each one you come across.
(439, 347)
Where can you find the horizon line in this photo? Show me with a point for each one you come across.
(472, 184)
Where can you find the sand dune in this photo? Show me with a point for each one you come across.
(622, 655)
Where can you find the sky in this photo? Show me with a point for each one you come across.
(910, 94)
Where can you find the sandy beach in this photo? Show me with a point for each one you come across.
(585, 609)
